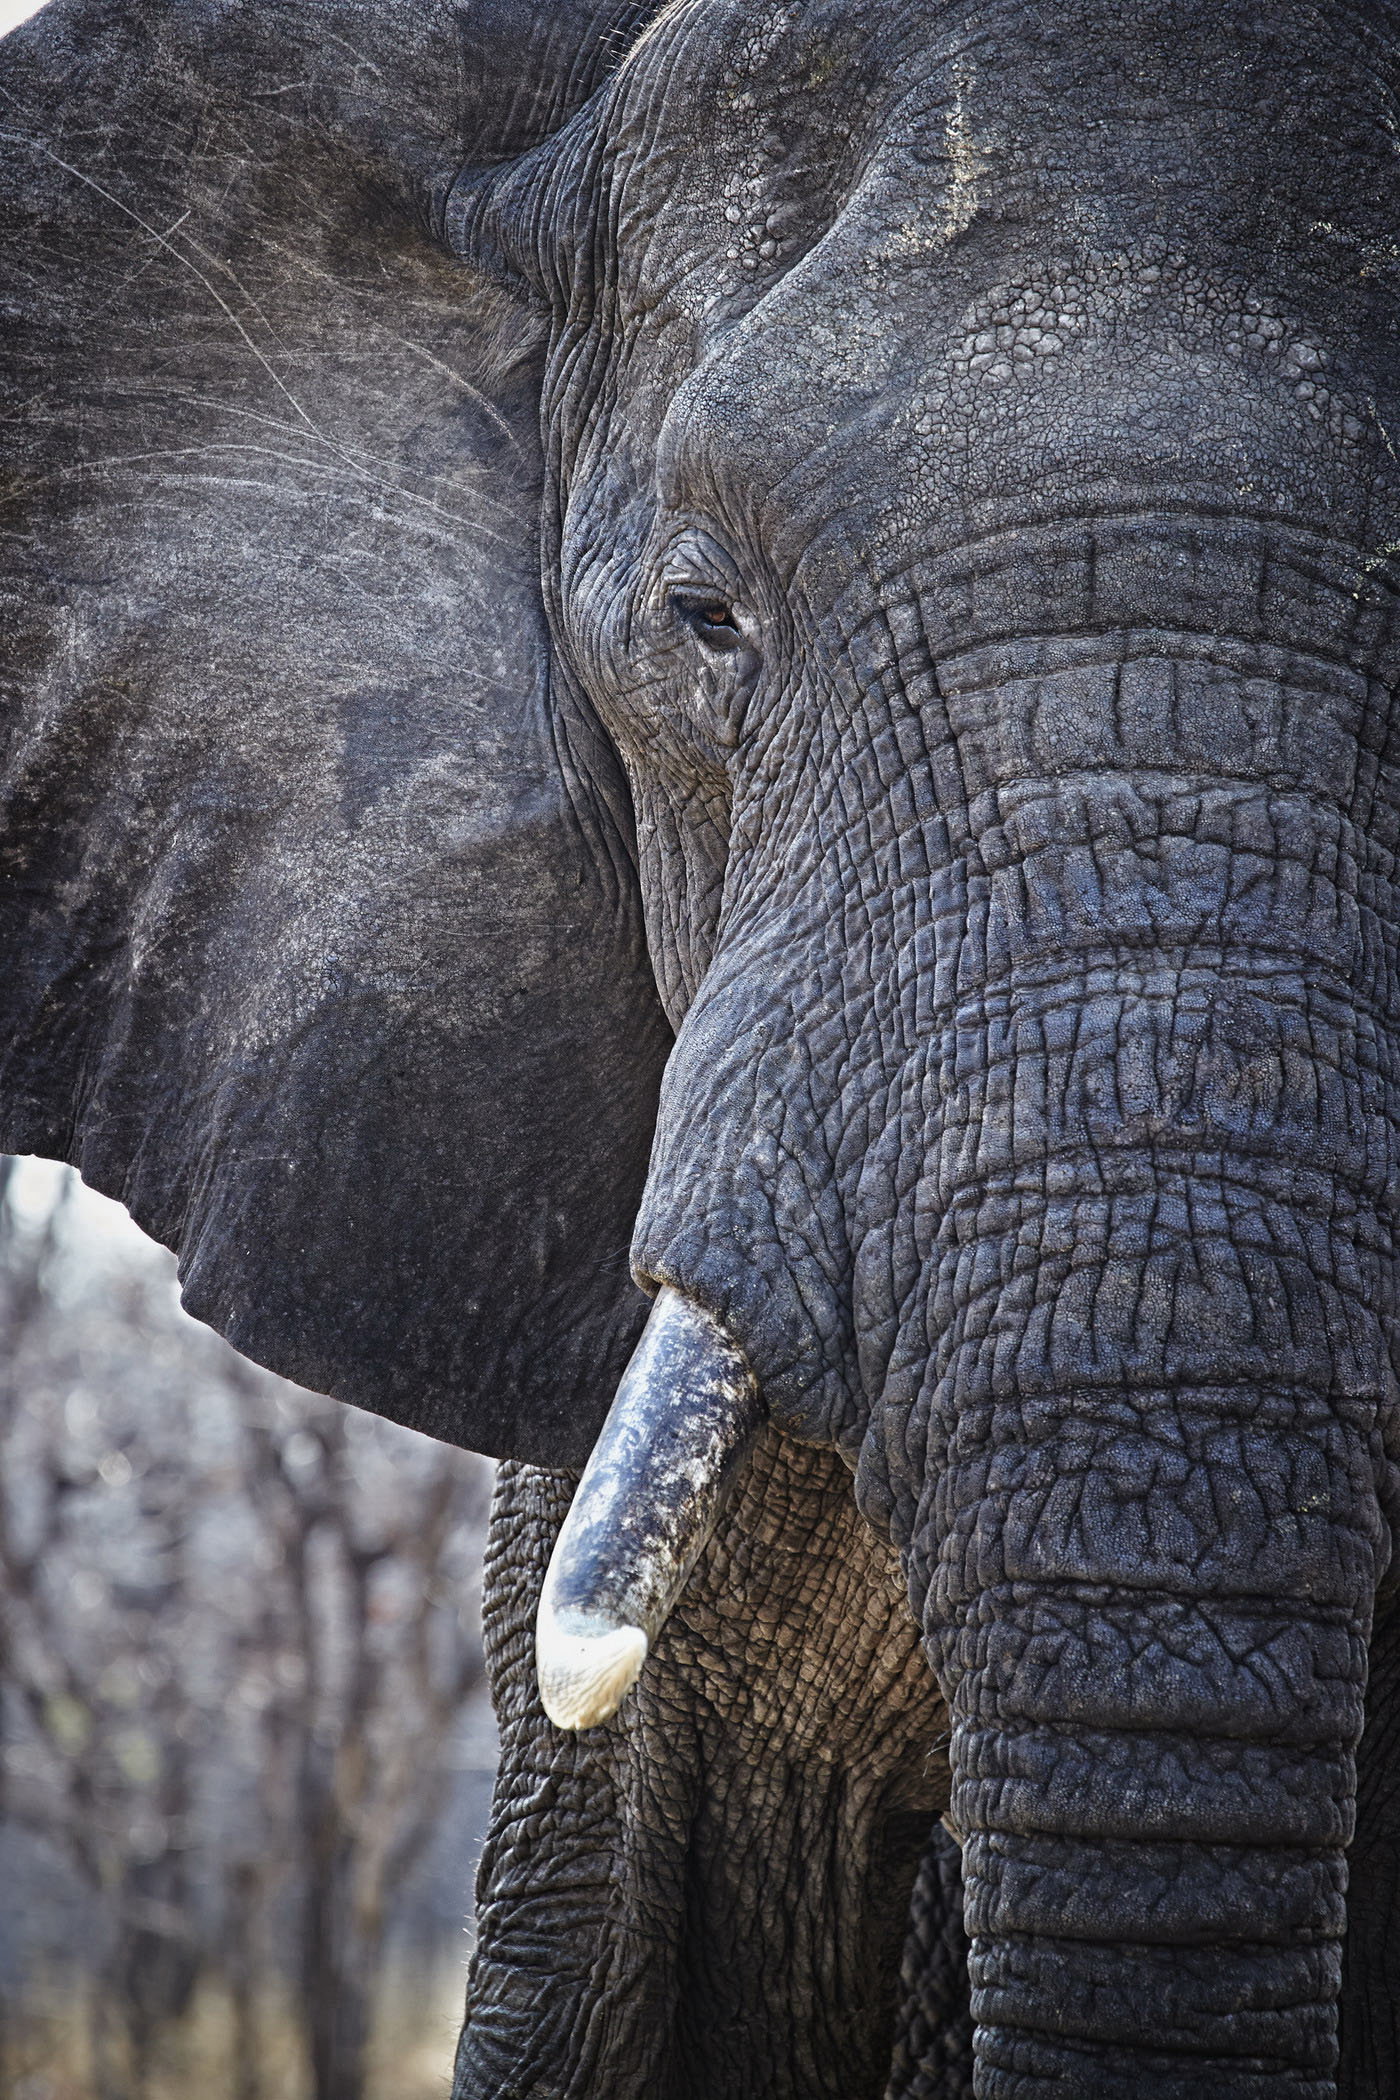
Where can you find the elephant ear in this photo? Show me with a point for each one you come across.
(320, 941)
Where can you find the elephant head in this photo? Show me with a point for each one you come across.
(862, 538)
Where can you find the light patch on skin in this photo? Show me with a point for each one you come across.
(965, 158)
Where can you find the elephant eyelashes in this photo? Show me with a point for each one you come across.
(711, 619)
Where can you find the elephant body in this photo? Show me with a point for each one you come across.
(776, 628)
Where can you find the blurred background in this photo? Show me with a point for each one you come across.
(245, 1745)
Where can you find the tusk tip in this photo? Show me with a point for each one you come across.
(584, 1677)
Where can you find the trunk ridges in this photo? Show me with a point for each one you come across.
(1156, 1677)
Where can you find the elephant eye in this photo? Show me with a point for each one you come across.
(707, 616)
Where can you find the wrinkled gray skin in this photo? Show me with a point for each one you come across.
(974, 509)
(969, 508)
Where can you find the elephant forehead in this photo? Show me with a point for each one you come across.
(747, 127)
(1027, 231)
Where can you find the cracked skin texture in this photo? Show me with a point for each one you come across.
(1019, 875)
(752, 1820)
(878, 525)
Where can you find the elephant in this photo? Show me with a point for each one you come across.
(700, 789)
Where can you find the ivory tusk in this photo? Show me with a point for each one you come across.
(684, 1417)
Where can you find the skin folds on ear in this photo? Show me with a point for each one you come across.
(319, 936)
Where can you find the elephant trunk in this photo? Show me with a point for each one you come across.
(1147, 1593)
(1085, 1158)
(1153, 1782)
(1147, 1379)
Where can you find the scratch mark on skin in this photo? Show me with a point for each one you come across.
(366, 466)
(464, 472)
(1377, 419)
(162, 240)
(465, 386)
(93, 468)
(361, 58)
(964, 158)
(140, 270)
(1374, 561)
(1383, 553)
